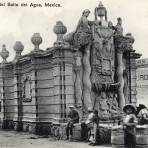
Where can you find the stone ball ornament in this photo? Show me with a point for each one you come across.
(4, 53)
(18, 47)
(36, 39)
(59, 29)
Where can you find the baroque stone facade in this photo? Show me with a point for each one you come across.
(90, 67)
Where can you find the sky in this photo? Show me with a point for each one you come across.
(19, 23)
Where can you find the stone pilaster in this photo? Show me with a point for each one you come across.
(130, 57)
(18, 47)
(18, 97)
(119, 48)
(4, 54)
(63, 63)
(2, 96)
(63, 79)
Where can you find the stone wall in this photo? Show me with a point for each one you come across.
(37, 88)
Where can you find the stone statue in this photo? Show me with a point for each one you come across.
(82, 35)
(118, 28)
(110, 25)
(103, 106)
(82, 42)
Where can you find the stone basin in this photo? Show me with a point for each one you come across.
(117, 136)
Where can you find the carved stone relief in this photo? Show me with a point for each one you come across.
(107, 104)
(102, 55)
(27, 91)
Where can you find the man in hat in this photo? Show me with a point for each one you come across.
(129, 126)
(73, 116)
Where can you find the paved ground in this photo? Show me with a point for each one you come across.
(12, 139)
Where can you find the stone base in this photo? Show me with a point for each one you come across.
(37, 128)
(43, 128)
(59, 131)
(104, 135)
(117, 137)
(17, 125)
(77, 132)
(25, 126)
(7, 124)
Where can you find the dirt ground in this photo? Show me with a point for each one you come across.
(12, 139)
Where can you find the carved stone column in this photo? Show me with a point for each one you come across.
(120, 43)
(131, 57)
(4, 54)
(77, 79)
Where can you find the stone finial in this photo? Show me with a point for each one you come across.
(18, 47)
(59, 29)
(36, 39)
(130, 40)
(4, 54)
(130, 37)
(101, 12)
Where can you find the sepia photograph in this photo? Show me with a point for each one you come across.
(74, 74)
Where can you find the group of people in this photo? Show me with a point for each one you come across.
(89, 128)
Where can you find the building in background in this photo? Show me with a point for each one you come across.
(142, 81)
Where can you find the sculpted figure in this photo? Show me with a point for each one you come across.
(82, 35)
(118, 27)
(82, 41)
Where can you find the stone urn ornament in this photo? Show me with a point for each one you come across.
(59, 29)
(130, 40)
(36, 40)
(18, 47)
(4, 54)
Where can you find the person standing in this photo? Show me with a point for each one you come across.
(87, 126)
(129, 126)
(143, 114)
(95, 135)
(73, 117)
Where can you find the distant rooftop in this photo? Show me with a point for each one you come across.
(141, 62)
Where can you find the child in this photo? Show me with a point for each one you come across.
(129, 126)
(94, 137)
(143, 114)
